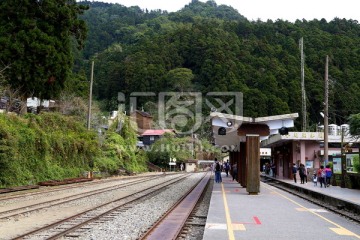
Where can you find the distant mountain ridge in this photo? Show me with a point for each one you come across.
(214, 48)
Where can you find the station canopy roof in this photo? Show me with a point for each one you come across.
(232, 123)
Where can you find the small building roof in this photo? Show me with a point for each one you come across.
(142, 113)
(190, 161)
(157, 132)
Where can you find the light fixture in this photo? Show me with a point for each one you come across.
(229, 124)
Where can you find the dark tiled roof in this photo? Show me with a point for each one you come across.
(145, 114)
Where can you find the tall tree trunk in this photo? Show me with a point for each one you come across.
(23, 107)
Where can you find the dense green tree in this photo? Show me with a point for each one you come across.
(223, 51)
(179, 79)
(247, 57)
(169, 147)
(354, 122)
(255, 103)
(36, 41)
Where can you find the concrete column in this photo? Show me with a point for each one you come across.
(253, 163)
(302, 152)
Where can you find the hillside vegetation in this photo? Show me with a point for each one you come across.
(52, 146)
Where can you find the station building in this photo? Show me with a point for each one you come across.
(308, 148)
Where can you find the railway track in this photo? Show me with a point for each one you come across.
(69, 226)
(33, 190)
(171, 224)
(23, 211)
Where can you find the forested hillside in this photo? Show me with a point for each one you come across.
(213, 48)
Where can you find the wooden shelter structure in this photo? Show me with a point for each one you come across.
(241, 136)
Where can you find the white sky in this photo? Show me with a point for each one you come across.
(266, 9)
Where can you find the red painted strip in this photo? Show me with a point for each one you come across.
(257, 221)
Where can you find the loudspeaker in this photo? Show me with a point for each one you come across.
(284, 131)
(222, 131)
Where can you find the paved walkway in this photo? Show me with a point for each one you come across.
(346, 194)
(275, 214)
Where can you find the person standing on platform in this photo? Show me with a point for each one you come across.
(321, 174)
(273, 169)
(328, 175)
(227, 167)
(315, 179)
(217, 170)
(267, 168)
(302, 173)
(294, 171)
(221, 170)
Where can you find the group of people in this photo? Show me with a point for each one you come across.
(322, 175)
(218, 167)
(270, 169)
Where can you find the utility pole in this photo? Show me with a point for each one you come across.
(303, 93)
(90, 95)
(326, 111)
(343, 160)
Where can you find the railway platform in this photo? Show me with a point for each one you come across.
(276, 214)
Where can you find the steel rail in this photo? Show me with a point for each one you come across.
(170, 224)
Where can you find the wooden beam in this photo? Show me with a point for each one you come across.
(259, 129)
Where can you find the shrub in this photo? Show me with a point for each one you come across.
(40, 147)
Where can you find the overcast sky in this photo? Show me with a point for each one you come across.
(266, 9)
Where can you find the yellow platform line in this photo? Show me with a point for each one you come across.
(230, 228)
(343, 231)
(339, 229)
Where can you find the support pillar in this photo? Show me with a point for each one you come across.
(253, 163)
(242, 164)
(251, 154)
(231, 158)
